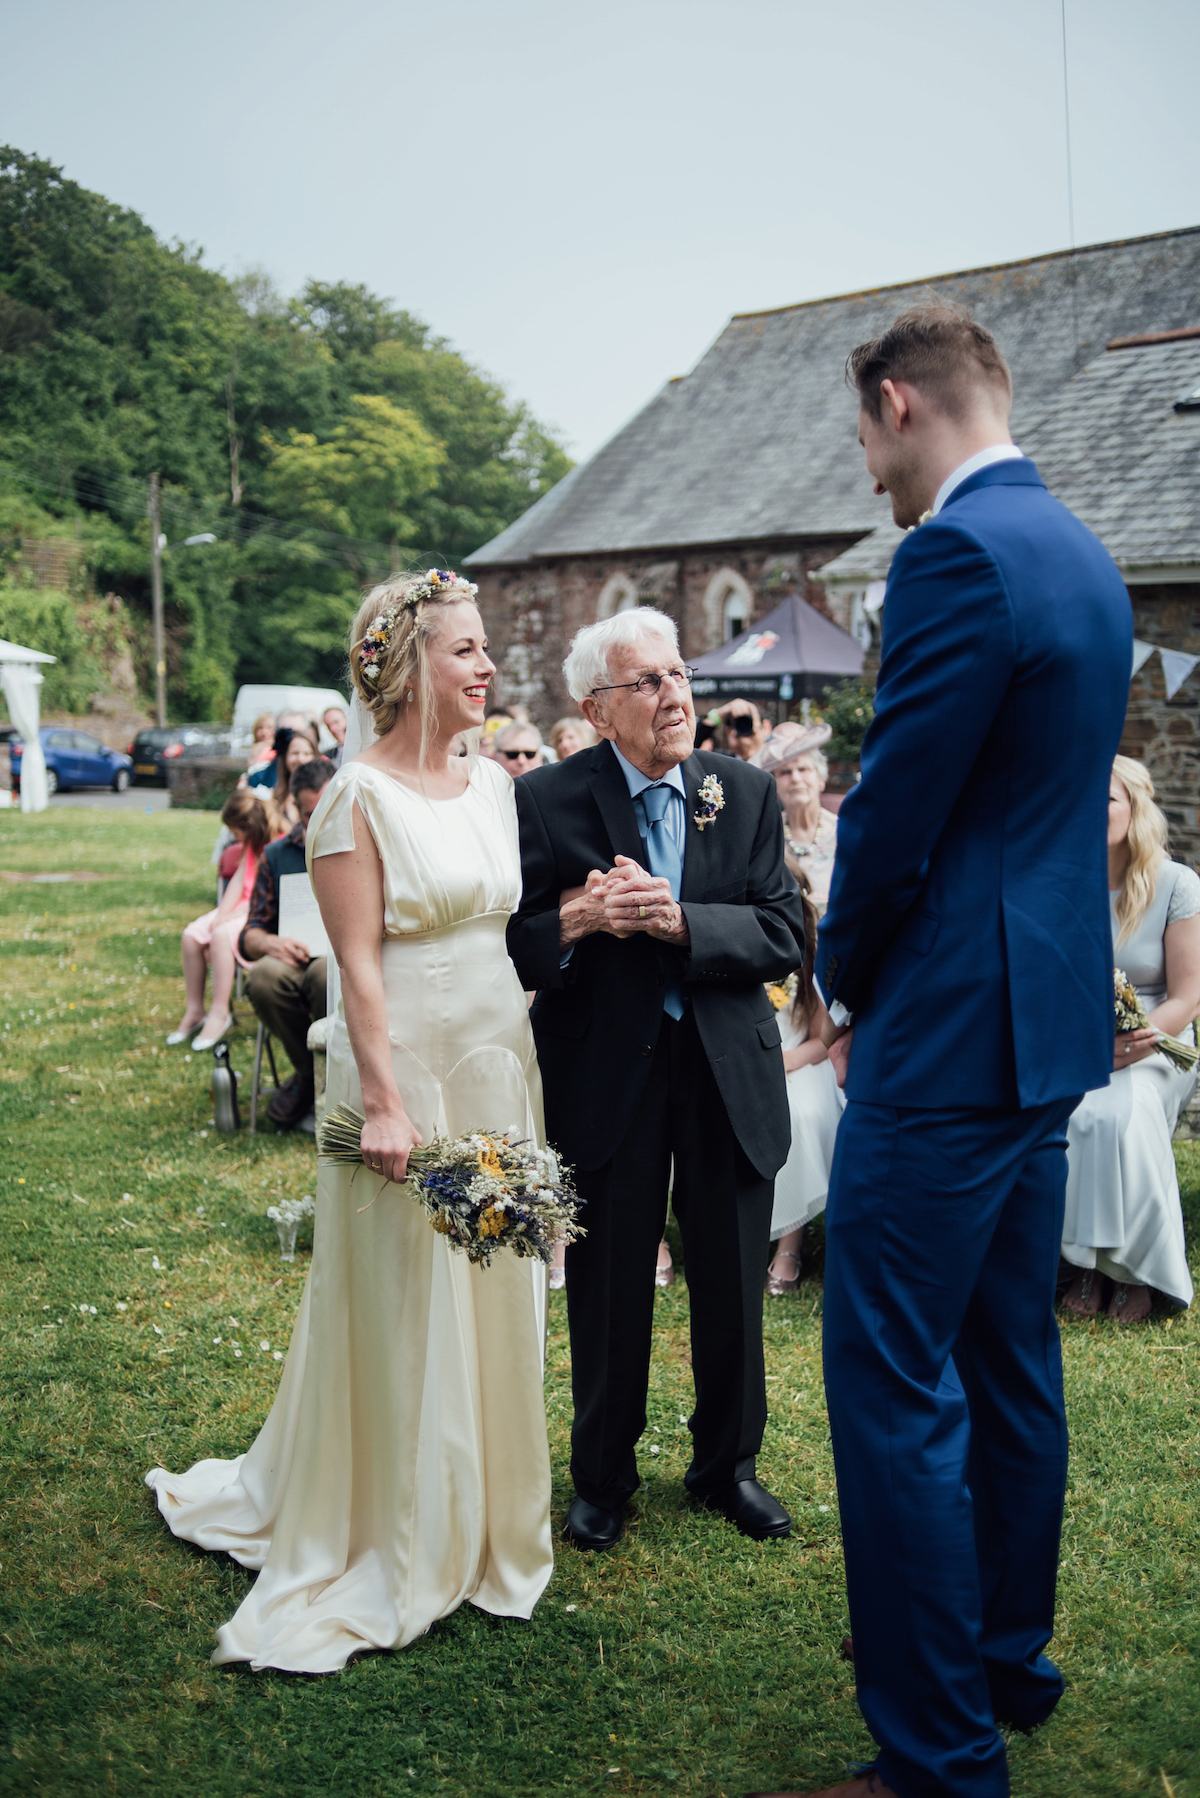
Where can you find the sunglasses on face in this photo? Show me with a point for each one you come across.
(520, 755)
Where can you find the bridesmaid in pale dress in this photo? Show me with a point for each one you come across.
(404, 1467)
(1123, 1228)
(816, 1103)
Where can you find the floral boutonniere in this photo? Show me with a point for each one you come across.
(712, 797)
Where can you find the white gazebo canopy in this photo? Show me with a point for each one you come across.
(13, 652)
(20, 680)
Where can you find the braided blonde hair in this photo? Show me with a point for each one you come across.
(1147, 839)
(391, 672)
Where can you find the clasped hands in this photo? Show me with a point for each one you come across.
(625, 900)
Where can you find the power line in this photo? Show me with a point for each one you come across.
(1070, 179)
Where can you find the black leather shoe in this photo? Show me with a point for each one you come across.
(751, 1507)
(589, 1526)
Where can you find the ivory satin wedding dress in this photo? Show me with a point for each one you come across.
(404, 1466)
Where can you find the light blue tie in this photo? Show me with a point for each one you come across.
(665, 862)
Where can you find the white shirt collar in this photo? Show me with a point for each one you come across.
(637, 782)
(996, 452)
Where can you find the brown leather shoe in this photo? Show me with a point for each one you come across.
(867, 1785)
(292, 1102)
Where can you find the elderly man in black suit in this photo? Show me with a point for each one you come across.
(655, 905)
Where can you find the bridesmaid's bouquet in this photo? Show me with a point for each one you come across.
(1131, 1015)
(483, 1191)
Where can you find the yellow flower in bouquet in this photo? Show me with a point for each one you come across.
(483, 1191)
(783, 993)
(489, 1160)
(1131, 1015)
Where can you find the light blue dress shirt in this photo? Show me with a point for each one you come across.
(675, 819)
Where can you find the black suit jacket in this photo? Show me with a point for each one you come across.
(596, 1021)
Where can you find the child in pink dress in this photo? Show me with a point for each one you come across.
(212, 939)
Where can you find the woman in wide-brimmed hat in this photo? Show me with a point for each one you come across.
(792, 753)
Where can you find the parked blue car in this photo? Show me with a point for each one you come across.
(74, 759)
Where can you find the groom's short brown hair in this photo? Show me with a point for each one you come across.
(939, 348)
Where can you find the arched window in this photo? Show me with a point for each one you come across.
(728, 606)
(618, 594)
(737, 614)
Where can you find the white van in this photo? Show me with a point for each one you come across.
(252, 701)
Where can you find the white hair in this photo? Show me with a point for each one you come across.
(507, 732)
(815, 759)
(587, 664)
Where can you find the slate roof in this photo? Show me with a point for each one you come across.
(759, 440)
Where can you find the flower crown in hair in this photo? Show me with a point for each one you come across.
(437, 582)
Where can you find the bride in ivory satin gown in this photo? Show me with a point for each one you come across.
(404, 1465)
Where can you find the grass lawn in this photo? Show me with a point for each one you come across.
(138, 1261)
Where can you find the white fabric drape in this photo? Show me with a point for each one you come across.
(21, 683)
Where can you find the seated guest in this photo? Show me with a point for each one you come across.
(286, 985)
(299, 751)
(568, 735)
(287, 727)
(518, 748)
(792, 753)
(262, 747)
(1123, 1222)
(211, 939)
(492, 724)
(335, 721)
(816, 1103)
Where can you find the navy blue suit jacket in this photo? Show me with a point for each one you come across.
(968, 923)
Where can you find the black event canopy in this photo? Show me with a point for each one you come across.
(792, 653)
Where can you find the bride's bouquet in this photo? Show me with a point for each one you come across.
(1131, 1015)
(483, 1191)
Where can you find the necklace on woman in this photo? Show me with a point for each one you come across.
(798, 849)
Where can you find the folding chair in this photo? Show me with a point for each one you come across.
(263, 1041)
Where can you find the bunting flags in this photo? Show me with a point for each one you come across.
(1176, 666)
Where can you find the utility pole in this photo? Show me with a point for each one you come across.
(156, 605)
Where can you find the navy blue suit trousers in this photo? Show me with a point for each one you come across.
(944, 1380)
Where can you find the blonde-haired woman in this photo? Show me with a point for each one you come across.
(404, 1466)
(1123, 1222)
(569, 735)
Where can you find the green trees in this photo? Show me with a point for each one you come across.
(326, 441)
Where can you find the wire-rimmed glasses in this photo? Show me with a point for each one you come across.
(650, 683)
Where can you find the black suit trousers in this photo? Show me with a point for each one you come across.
(723, 1207)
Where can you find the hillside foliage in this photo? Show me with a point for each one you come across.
(325, 440)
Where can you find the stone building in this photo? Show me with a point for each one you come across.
(743, 481)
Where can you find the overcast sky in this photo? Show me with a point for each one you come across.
(578, 193)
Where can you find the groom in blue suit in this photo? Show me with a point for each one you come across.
(966, 960)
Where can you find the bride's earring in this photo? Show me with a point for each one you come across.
(408, 693)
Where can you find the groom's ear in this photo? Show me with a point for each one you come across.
(894, 405)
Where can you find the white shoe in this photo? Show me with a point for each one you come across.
(178, 1036)
(209, 1042)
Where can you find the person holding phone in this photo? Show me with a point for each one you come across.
(745, 731)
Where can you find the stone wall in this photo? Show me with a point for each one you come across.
(533, 611)
(203, 783)
(1165, 733)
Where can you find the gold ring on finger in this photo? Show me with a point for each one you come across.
(642, 913)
